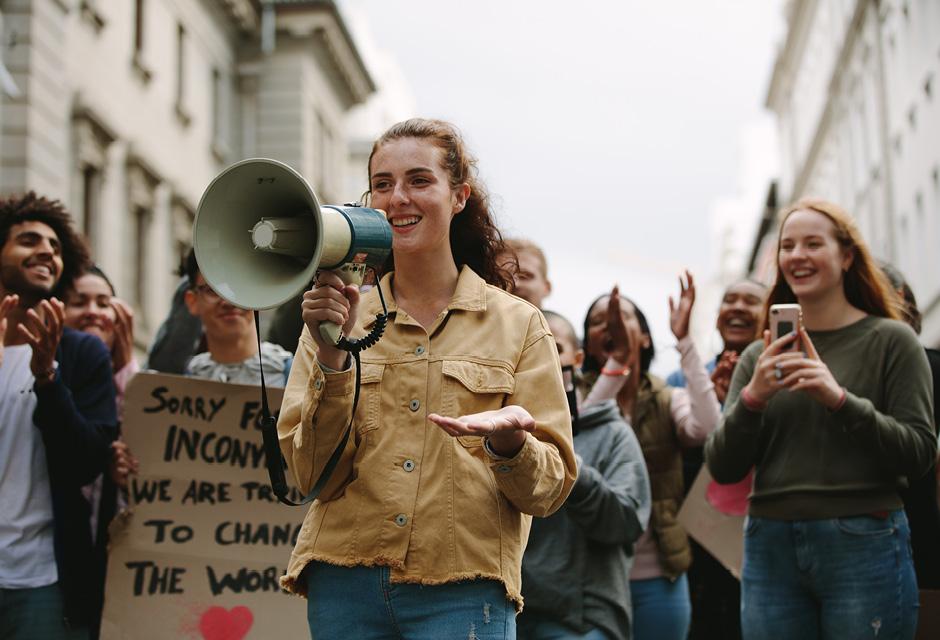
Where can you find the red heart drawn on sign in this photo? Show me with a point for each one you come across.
(218, 623)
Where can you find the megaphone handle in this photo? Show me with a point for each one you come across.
(349, 273)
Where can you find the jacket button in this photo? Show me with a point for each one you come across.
(408, 465)
(414, 405)
(419, 350)
(504, 468)
(318, 384)
(401, 519)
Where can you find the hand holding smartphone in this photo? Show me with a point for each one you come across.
(786, 319)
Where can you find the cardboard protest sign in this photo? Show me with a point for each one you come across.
(714, 517)
(199, 552)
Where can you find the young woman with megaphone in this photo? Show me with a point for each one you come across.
(420, 530)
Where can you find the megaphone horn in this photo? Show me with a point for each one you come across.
(260, 235)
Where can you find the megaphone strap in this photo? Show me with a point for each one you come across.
(273, 458)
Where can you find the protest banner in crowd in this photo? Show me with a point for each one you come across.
(199, 552)
(716, 520)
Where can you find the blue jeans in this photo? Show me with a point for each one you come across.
(533, 626)
(361, 603)
(838, 579)
(26, 614)
(661, 608)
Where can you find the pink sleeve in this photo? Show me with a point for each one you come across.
(695, 410)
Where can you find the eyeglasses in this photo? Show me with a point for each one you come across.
(208, 292)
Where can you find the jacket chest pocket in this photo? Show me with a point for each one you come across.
(471, 387)
(370, 393)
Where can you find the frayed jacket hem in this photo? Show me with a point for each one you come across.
(291, 581)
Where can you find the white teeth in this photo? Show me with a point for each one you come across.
(403, 222)
(801, 273)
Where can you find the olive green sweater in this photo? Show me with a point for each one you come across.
(812, 463)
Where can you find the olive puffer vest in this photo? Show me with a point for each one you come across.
(653, 426)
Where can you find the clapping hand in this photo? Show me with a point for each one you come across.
(43, 335)
(721, 376)
(8, 303)
(123, 348)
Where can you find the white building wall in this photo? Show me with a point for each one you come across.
(855, 93)
(129, 147)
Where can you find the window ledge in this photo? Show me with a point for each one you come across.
(220, 150)
(140, 68)
(182, 114)
(92, 15)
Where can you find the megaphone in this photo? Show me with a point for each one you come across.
(260, 235)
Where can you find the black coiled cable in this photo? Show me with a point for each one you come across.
(273, 459)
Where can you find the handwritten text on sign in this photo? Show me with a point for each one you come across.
(200, 551)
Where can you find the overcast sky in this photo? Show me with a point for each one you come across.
(606, 131)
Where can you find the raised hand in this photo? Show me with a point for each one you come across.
(680, 313)
(123, 348)
(8, 303)
(504, 428)
(43, 335)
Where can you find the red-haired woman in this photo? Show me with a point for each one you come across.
(420, 531)
(833, 429)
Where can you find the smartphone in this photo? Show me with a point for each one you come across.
(784, 319)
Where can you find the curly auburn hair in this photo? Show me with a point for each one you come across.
(865, 285)
(475, 240)
(30, 207)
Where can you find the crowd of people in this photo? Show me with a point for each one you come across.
(496, 457)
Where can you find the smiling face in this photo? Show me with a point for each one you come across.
(221, 320)
(410, 184)
(31, 260)
(739, 313)
(88, 307)
(599, 343)
(810, 257)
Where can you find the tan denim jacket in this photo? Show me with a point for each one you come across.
(434, 508)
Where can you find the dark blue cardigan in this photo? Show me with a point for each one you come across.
(77, 417)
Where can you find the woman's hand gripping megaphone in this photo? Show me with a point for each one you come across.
(330, 301)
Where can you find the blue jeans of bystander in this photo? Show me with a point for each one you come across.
(661, 608)
(537, 627)
(835, 579)
(27, 614)
(362, 603)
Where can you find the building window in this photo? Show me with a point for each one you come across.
(137, 60)
(219, 116)
(91, 186)
(141, 196)
(91, 141)
(138, 26)
(181, 112)
(142, 219)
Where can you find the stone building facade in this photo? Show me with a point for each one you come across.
(125, 110)
(856, 92)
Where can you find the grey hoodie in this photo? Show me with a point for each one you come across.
(577, 563)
